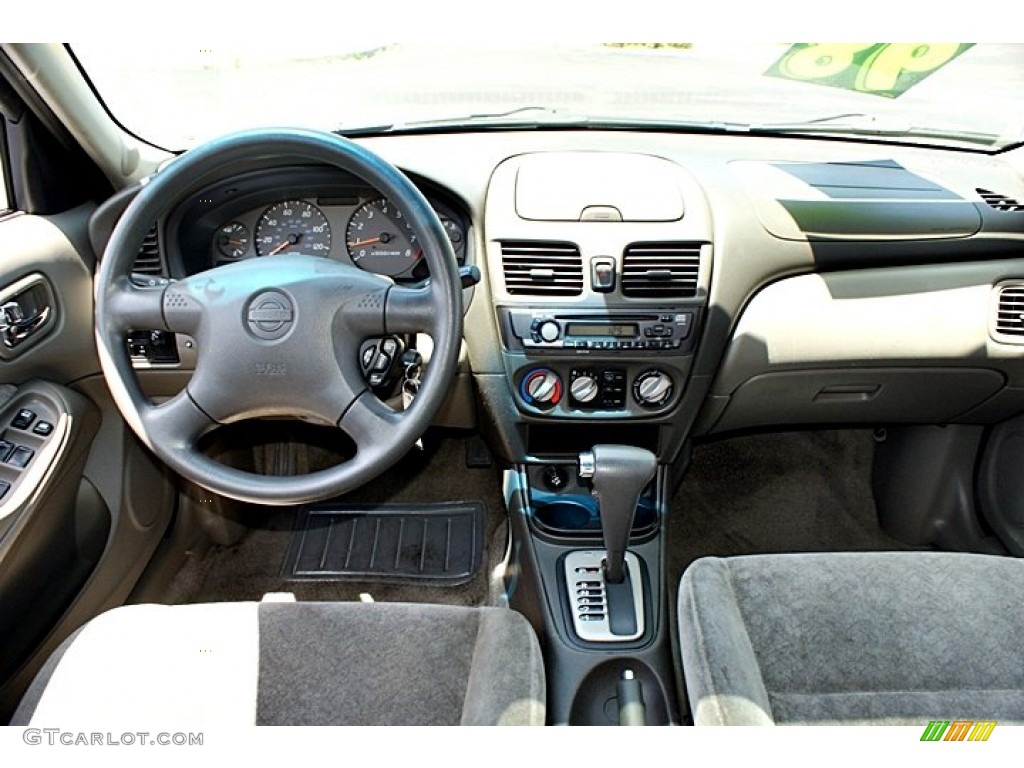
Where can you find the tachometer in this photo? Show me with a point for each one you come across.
(293, 226)
(380, 239)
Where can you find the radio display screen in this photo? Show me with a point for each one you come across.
(618, 331)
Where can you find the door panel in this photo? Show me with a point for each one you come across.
(49, 543)
(82, 519)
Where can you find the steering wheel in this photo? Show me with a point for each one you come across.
(278, 335)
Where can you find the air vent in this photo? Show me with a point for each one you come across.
(1009, 320)
(534, 268)
(148, 261)
(661, 270)
(1000, 202)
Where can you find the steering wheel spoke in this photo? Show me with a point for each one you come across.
(175, 425)
(367, 420)
(410, 310)
(132, 307)
(136, 308)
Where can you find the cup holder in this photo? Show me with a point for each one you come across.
(565, 514)
(577, 513)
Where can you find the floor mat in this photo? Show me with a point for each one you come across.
(435, 475)
(395, 543)
(779, 492)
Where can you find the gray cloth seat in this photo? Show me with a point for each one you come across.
(287, 663)
(853, 638)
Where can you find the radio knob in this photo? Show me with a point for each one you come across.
(549, 331)
(541, 388)
(653, 388)
(583, 389)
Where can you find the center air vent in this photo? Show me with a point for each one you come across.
(534, 268)
(148, 261)
(1009, 319)
(1000, 202)
(661, 270)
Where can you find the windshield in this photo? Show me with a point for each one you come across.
(177, 96)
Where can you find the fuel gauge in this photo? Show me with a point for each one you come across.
(233, 240)
(456, 235)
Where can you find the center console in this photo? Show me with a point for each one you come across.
(600, 265)
(592, 638)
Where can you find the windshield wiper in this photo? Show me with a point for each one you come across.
(536, 117)
(862, 124)
(542, 117)
(505, 119)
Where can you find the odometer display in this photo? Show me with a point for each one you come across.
(291, 227)
(381, 240)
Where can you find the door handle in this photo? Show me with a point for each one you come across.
(16, 327)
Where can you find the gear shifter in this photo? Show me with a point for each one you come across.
(605, 587)
(618, 474)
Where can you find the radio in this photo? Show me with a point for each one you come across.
(647, 331)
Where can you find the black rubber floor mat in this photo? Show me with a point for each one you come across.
(435, 543)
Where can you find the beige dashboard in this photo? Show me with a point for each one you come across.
(821, 281)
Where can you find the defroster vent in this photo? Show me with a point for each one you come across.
(661, 270)
(535, 268)
(148, 261)
(1000, 202)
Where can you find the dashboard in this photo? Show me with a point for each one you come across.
(652, 287)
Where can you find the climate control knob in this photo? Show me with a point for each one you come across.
(541, 387)
(653, 388)
(583, 388)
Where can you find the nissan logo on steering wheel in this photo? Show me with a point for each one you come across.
(270, 315)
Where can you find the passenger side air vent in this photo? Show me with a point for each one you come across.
(661, 270)
(1008, 324)
(1000, 202)
(534, 268)
(148, 261)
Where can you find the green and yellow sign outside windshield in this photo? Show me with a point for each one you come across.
(882, 69)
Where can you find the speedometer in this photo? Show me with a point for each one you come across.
(380, 239)
(293, 226)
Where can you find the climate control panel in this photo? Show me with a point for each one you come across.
(596, 389)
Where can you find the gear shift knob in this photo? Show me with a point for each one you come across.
(618, 474)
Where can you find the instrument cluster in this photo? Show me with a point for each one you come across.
(366, 230)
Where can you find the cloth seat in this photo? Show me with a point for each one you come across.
(287, 663)
(853, 638)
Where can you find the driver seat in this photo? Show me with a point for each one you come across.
(276, 663)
